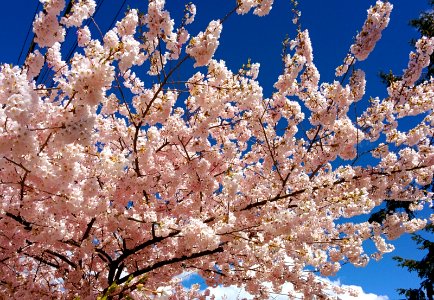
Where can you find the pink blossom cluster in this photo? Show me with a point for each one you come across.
(81, 10)
(418, 61)
(261, 7)
(377, 21)
(203, 46)
(46, 24)
(34, 62)
(190, 9)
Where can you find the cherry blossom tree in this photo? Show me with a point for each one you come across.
(113, 184)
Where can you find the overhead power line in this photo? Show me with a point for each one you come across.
(117, 14)
(27, 35)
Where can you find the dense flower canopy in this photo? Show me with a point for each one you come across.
(112, 185)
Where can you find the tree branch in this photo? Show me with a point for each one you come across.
(21, 220)
(169, 262)
(62, 257)
(128, 252)
(88, 228)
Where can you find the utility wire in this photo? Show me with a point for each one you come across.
(46, 77)
(68, 57)
(28, 33)
(117, 14)
(71, 51)
(45, 68)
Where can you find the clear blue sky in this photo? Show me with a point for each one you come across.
(332, 25)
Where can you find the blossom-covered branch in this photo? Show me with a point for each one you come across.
(118, 175)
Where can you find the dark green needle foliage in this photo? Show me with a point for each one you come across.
(425, 26)
(424, 268)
